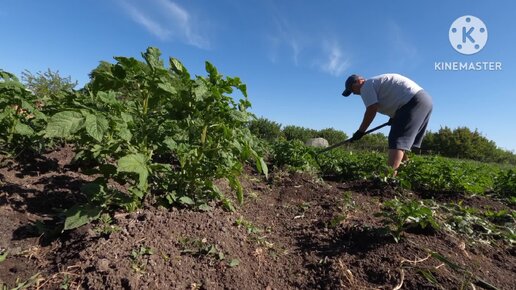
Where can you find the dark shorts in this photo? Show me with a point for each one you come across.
(409, 124)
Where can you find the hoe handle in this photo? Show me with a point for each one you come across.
(348, 140)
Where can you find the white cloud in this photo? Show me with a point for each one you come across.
(334, 61)
(305, 48)
(403, 51)
(285, 36)
(166, 20)
(142, 19)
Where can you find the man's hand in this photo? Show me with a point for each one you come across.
(391, 120)
(357, 136)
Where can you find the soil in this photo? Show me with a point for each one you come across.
(294, 231)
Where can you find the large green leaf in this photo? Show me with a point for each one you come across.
(23, 129)
(80, 215)
(64, 124)
(262, 167)
(235, 184)
(125, 134)
(136, 163)
(107, 97)
(176, 65)
(152, 57)
(96, 126)
(167, 87)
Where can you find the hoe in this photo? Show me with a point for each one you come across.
(349, 140)
(316, 155)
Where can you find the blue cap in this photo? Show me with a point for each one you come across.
(349, 82)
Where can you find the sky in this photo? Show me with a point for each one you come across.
(293, 55)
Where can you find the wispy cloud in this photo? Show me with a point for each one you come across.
(403, 51)
(284, 36)
(334, 61)
(305, 48)
(166, 20)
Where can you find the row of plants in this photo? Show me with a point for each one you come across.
(431, 174)
(460, 142)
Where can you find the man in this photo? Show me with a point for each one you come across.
(400, 98)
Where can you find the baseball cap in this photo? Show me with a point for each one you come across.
(349, 82)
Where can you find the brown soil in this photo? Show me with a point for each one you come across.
(293, 232)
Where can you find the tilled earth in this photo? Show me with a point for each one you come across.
(294, 231)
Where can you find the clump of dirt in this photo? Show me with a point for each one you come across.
(294, 231)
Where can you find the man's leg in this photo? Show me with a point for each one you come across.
(395, 157)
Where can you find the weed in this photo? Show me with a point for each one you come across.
(346, 206)
(136, 258)
(201, 248)
(106, 226)
(401, 216)
(249, 226)
(255, 232)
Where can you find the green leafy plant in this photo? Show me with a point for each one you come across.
(256, 234)
(400, 216)
(347, 205)
(439, 174)
(486, 227)
(106, 226)
(100, 199)
(137, 264)
(53, 91)
(249, 226)
(159, 131)
(349, 165)
(20, 118)
(293, 155)
(505, 183)
(201, 248)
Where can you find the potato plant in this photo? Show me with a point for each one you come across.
(505, 184)
(20, 118)
(160, 131)
(437, 174)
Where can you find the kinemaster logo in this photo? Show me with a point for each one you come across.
(468, 35)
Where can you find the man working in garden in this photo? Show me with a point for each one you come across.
(400, 98)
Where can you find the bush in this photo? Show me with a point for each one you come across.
(376, 141)
(332, 135)
(302, 134)
(465, 143)
(265, 129)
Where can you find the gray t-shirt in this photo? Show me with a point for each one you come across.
(390, 91)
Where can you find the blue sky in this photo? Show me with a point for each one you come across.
(294, 55)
